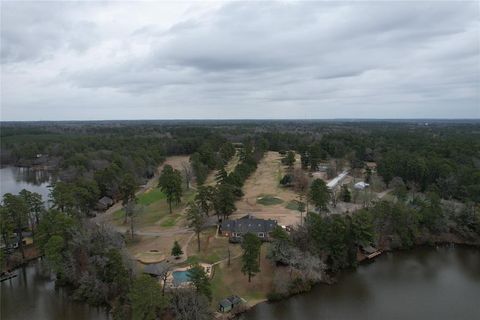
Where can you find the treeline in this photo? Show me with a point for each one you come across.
(442, 158)
(332, 242)
(221, 197)
(90, 162)
(212, 154)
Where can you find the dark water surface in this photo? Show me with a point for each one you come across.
(32, 295)
(14, 179)
(425, 284)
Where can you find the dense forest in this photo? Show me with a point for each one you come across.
(436, 163)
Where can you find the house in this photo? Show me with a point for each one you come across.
(104, 203)
(234, 229)
(229, 303)
(156, 269)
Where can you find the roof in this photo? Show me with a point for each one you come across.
(249, 223)
(234, 299)
(333, 183)
(231, 301)
(361, 185)
(156, 269)
(225, 303)
(369, 249)
(105, 201)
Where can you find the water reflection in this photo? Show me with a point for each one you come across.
(14, 179)
(32, 295)
(425, 283)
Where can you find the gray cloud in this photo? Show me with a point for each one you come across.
(245, 59)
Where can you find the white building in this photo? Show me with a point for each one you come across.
(360, 185)
(335, 181)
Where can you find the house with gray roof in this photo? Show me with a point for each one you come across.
(227, 304)
(235, 229)
(104, 203)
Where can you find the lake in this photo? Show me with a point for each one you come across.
(424, 283)
(14, 179)
(32, 295)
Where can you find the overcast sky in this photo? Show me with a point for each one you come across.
(194, 60)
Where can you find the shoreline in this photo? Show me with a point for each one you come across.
(334, 277)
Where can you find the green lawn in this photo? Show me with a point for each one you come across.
(170, 220)
(156, 209)
(151, 196)
(293, 205)
(269, 200)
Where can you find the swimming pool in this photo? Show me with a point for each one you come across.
(180, 277)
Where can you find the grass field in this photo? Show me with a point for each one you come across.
(228, 280)
(151, 196)
(293, 205)
(157, 210)
(269, 200)
(211, 249)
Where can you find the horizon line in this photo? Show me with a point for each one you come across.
(247, 119)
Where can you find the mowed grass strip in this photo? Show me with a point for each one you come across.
(151, 196)
(293, 205)
(269, 200)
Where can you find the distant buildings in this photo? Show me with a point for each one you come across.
(235, 229)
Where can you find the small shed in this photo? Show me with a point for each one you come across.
(104, 203)
(227, 304)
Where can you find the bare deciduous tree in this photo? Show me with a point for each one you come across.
(187, 304)
(188, 173)
(300, 185)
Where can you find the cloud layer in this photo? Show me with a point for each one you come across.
(151, 60)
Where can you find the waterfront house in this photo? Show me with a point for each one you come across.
(229, 303)
(235, 229)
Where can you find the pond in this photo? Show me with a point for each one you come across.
(425, 283)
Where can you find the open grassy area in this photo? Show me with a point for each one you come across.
(228, 280)
(293, 205)
(157, 210)
(170, 220)
(269, 200)
(211, 249)
(151, 196)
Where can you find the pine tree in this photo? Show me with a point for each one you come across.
(170, 182)
(176, 250)
(251, 252)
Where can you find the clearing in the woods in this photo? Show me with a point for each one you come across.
(263, 195)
